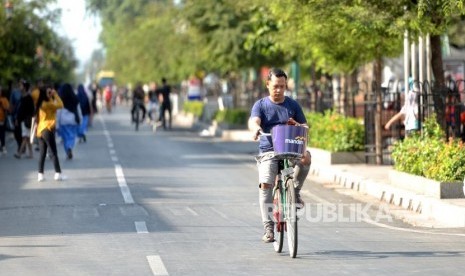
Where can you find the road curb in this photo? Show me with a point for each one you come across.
(441, 211)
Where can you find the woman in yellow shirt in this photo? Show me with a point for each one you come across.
(47, 105)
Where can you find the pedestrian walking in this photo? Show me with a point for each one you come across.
(15, 98)
(68, 118)
(86, 111)
(94, 91)
(153, 102)
(165, 92)
(24, 119)
(408, 112)
(108, 96)
(47, 105)
(4, 108)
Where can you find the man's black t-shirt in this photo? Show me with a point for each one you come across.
(165, 92)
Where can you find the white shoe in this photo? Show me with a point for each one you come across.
(58, 177)
(40, 177)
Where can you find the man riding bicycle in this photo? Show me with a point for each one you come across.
(275, 109)
(138, 97)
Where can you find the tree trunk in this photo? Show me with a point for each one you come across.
(378, 67)
(439, 90)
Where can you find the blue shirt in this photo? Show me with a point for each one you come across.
(272, 114)
(15, 99)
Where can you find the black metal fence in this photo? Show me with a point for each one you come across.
(448, 100)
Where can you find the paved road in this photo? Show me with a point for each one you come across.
(139, 203)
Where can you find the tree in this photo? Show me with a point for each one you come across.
(145, 40)
(434, 17)
(29, 48)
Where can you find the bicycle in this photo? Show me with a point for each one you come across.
(284, 196)
(137, 113)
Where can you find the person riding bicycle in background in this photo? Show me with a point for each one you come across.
(138, 97)
(275, 109)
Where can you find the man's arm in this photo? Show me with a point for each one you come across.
(254, 126)
(293, 122)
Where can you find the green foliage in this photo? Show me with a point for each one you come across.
(338, 36)
(429, 155)
(194, 107)
(334, 132)
(449, 163)
(232, 116)
(30, 48)
(226, 36)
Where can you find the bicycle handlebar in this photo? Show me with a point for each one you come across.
(261, 133)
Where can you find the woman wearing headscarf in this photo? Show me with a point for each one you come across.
(47, 105)
(24, 119)
(86, 110)
(69, 118)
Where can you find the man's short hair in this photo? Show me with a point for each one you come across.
(279, 73)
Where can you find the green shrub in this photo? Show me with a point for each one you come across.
(194, 107)
(449, 164)
(429, 155)
(232, 116)
(334, 132)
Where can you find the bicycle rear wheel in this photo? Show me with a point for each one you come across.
(291, 217)
(278, 224)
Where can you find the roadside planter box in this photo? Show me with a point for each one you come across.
(325, 157)
(426, 186)
(185, 119)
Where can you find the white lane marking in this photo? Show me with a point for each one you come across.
(141, 227)
(221, 214)
(110, 145)
(112, 152)
(382, 225)
(194, 213)
(123, 185)
(114, 159)
(157, 266)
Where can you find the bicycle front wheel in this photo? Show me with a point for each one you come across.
(290, 216)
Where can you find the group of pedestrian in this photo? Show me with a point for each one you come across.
(39, 114)
(158, 99)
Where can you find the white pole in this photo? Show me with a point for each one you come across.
(421, 60)
(406, 62)
(428, 61)
(413, 55)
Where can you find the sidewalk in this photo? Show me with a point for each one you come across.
(419, 209)
(373, 181)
